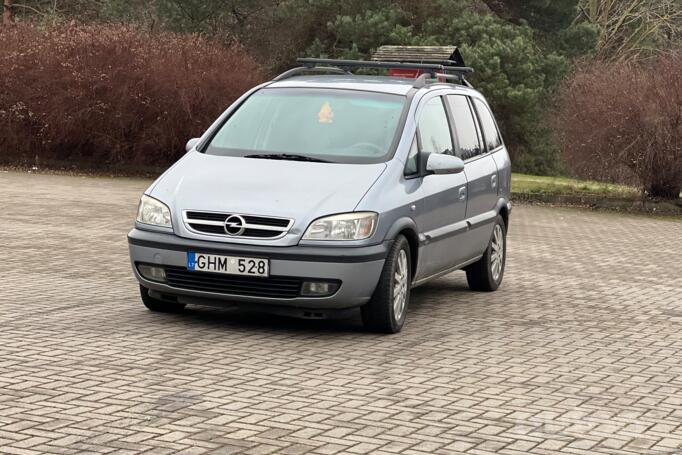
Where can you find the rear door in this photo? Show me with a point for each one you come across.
(475, 148)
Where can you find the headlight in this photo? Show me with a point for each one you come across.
(347, 226)
(153, 212)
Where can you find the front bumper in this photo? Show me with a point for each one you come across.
(358, 268)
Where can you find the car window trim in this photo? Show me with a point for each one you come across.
(479, 128)
(453, 141)
(483, 155)
(400, 130)
(451, 124)
(478, 120)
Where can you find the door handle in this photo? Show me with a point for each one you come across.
(493, 181)
(463, 193)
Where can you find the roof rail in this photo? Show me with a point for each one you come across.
(427, 78)
(306, 69)
(457, 77)
(445, 69)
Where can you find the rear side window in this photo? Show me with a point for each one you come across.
(492, 135)
(463, 121)
(434, 130)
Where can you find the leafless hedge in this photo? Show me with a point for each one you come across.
(109, 95)
(622, 122)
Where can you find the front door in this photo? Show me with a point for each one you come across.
(442, 221)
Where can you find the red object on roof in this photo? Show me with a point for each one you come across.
(402, 72)
(408, 73)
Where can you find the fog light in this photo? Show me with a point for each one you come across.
(319, 288)
(152, 272)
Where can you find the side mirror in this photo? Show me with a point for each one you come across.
(438, 163)
(192, 143)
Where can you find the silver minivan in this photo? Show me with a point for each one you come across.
(324, 191)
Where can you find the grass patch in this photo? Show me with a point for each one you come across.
(537, 185)
(563, 191)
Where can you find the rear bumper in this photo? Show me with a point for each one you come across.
(358, 269)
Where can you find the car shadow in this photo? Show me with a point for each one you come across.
(452, 287)
(447, 290)
(240, 318)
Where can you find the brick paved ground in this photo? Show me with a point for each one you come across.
(579, 351)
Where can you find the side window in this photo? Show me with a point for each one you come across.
(434, 130)
(463, 121)
(492, 135)
(412, 164)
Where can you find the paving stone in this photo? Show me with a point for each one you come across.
(578, 352)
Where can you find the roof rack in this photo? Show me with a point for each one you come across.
(443, 66)
(445, 69)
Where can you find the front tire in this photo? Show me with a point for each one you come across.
(159, 306)
(486, 274)
(387, 309)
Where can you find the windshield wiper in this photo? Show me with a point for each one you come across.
(287, 156)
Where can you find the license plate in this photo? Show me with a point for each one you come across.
(231, 265)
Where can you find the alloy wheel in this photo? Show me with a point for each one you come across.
(400, 284)
(497, 252)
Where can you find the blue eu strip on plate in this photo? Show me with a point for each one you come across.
(191, 260)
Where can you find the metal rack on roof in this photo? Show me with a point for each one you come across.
(453, 67)
(436, 64)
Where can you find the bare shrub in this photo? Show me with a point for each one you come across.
(111, 95)
(622, 122)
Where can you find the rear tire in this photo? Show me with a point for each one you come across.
(387, 309)
(486, 274)
(160, 306)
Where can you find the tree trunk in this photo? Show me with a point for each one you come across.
(7, 13)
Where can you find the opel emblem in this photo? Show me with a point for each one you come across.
(234, 225)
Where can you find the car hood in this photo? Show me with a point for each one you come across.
(299, 190)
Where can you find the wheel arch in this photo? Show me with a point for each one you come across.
(408, 228)
(504, 210)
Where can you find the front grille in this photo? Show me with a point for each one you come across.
(260, 227)
(274, 287)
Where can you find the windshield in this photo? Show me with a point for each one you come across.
(341, 126)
